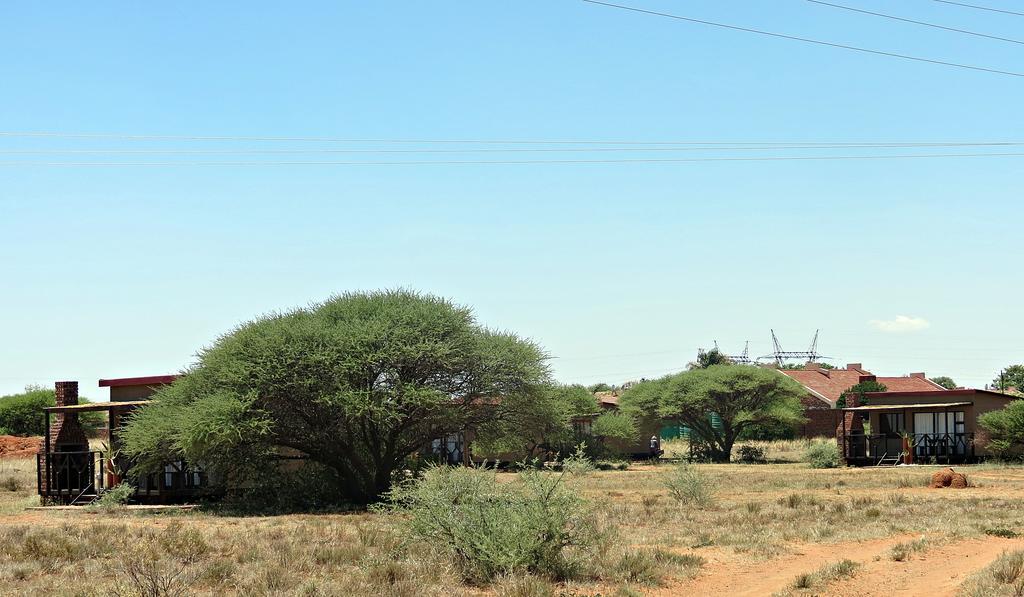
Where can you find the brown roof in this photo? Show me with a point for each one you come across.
(607, 398)
(829, 384)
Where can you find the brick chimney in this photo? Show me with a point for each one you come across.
(66, 434)
(852, 424)
(855, 367)
(918, 375)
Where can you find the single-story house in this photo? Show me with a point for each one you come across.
(824, 387)
(940, 427)
(70, 471)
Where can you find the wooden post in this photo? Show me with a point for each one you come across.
(46, 454)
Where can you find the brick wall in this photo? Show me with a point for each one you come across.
(66, 433)
(848, 423)
(821, 418)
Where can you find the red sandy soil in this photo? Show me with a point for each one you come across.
(19, 447)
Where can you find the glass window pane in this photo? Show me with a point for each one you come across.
(923, 423)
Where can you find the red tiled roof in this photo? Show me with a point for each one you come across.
(829, 384)
(910, 384)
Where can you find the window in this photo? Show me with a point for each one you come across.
(939, 433)
(891, 424)
(449, 448)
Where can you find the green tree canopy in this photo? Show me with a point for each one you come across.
(743, 397)
(1004, 428)
(615, 432)
(355, 385)
(1010, 377)
(541, 424)
(803, 366)
(22, 414)
(707, 358)
(946, 382)
(860, 389)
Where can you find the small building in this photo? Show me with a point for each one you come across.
(70, 471)
(825, 386)
(938, 427)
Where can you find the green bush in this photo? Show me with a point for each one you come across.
(822, 455)
(490, 529)
(1004, 429)
(751, 454)
(22, 414)
(689, 486)
(577, 463)
(616, 431)
(115, 497)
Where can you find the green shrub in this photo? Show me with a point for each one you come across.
(822, 455)
(115, 497)
(689, 486)
(577, 463)
(1001, 532)
(616, 431)
(537, 526)
(751, 454)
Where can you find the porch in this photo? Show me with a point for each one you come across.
(74, 474)
(914, 433)
(945, 448)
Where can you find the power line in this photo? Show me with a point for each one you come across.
(498, 150)
(934, 25)
(990, 9)
(807, 40)
(510, 162)
(151, 137)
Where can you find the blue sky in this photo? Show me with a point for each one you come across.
(619, 270)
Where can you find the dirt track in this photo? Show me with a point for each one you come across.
(935, 572)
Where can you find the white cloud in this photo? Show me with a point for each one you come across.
(902, 323)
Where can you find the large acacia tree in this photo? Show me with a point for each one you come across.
(354, 385)
(742, 397)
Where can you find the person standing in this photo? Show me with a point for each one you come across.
(655, 448)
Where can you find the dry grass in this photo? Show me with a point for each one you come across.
(1005, 576)
(17, 485)
(759, 511)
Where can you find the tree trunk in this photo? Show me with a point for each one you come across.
(724, 452)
